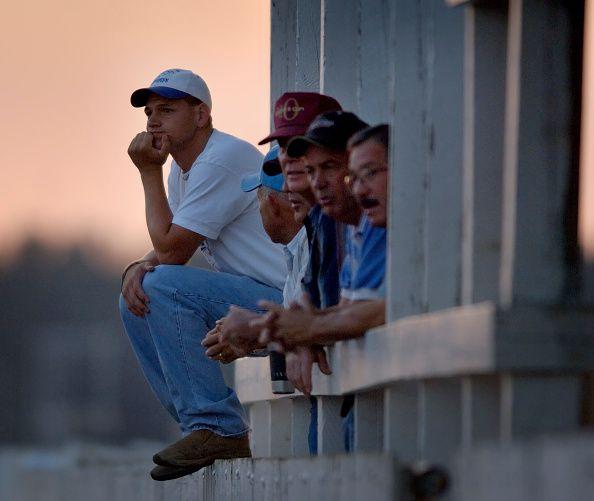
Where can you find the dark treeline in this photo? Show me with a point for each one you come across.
(66, 370)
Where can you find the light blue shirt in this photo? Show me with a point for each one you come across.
(364, 266)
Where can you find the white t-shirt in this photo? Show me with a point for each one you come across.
(208, 200)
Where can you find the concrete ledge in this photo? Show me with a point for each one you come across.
(469, 340)
(553, 469)
(122, 475)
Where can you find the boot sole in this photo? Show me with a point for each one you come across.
(158, 460)
(186, 463)
(163, 473)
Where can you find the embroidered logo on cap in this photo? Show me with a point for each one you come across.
(289, 110)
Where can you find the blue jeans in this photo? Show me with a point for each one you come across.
(312, 435)
(348, 430)
(184, 305)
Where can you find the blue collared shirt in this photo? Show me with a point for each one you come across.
(364, 266)
(321, 278)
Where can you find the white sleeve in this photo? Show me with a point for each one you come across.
(213, 198)
(172, 194)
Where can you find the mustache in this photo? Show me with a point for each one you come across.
(368, 203)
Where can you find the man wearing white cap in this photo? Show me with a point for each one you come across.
(168, 311)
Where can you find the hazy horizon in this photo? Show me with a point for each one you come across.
(69, 72)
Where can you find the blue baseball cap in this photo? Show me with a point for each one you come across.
(271, 174)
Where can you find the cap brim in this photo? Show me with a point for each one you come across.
(284, 133)
(251, 182)
(272, 167)
(298, 146)
(140, 97)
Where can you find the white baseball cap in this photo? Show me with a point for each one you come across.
(174, 84)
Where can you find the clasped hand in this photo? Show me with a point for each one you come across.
(145, 155)
(232, 337)
(286, 328)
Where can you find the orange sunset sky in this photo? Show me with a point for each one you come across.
(68, 68)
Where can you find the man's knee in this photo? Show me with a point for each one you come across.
(161, 278)
(123, 307)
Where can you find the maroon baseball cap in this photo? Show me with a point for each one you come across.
(294, 111)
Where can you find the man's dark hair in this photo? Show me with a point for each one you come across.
(379, 133)
(192, 101)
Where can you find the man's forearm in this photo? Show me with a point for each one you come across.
(173, 244)
(348, 321)
(150, 257)
(158, 213)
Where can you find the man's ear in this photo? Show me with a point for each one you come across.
(202, 115)
(273, 203)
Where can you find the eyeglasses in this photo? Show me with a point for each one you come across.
(366, 177)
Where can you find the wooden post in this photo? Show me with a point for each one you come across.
(537, 405)
(540, 164)
(440, 428)
(369, 421)
(375, 100)
(300, 419)
(307, 53)
(484, 105)
(426, 173)
(330, 437)
(481, 409)
(281, 411)
(401, 420)
(339, 46)
(283, 41)
(271, 430)
(260, 424)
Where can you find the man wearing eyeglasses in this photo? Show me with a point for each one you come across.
(368, 172)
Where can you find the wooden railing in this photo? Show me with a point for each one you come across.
(430, 385)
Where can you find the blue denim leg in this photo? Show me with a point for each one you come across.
(312, 436)
(184, 305)
(348, 430)
(146, 353)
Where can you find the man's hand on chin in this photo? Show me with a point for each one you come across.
(149, 152)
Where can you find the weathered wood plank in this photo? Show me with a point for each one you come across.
(481, 409)
(375, 102)
(444, 63)
(538, 161)
(283, 38)
(281, 411)
(447, 343)
(330, 437)
(539, 405)
(401, 420)
(426, 177)
(484, 105)
(469, 340)
(410, 139)
(260, 424)
(440, 428)
(300, 420)
(339, 48)
(548, 470)
(307, 53)
(369, 421)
